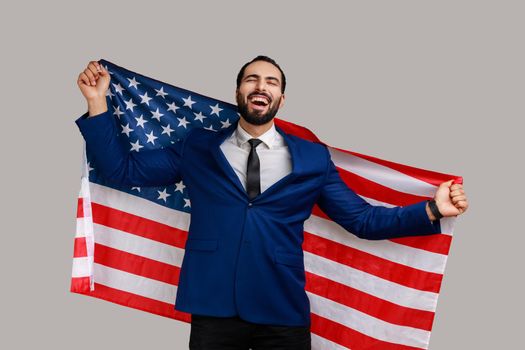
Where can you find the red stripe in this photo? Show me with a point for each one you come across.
(136, 264)
(80, 208)
(139, 226)
(131, 300)
(369, 304)
(80, 249)
(398, 273)
(351, 338)
(436, 243)
(373, 190)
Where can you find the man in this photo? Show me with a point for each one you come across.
(251, 187)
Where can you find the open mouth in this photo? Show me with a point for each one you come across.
(258, 101)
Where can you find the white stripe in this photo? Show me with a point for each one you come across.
(402, 254)
(381, 174)
(139, 206)
(367, 324)
(373, 285)
(320, 343)
(137, 245)
(81, 267)
(135, 284)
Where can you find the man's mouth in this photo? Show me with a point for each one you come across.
(259, 101)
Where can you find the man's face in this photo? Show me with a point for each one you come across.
(259, 95)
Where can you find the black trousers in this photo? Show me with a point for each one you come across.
(232, 333)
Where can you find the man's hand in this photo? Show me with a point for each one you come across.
(450, 200)
(93, 83)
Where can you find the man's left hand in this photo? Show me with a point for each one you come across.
(451, 199)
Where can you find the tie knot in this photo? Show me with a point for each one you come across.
(254, 142)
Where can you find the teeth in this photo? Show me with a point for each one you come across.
(259, 99)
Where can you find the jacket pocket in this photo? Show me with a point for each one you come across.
(289, 259)
(206, 245)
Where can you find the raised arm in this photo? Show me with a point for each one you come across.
(113, 159)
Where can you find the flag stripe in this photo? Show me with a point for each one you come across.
(383, 268)
(137, 265)
(428, 176)
(133, 300)
(350, 338)
(368, 304)
(371, 189)
(138, 245)
(380, 174)
(416, 258)
(370, 284)
(368, 325)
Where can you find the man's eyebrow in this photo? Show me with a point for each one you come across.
(258, 76)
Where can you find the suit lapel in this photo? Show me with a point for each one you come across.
(221, 160)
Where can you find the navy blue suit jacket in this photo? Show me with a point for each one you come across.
(245, 257)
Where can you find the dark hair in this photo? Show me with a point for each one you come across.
(265, 59)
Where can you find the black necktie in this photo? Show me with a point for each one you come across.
(253, 178)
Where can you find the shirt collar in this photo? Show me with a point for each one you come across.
(268, 138)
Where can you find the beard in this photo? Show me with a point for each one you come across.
(256, 117)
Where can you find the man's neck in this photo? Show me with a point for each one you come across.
(255, 130)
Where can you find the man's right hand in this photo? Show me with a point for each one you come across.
(93, 83)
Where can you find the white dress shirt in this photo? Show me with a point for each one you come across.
(274, 157)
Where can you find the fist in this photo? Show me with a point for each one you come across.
(94, 81)
(451, 199)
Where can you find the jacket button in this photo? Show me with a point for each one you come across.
(250, 204)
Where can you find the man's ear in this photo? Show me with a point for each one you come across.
(282, 101)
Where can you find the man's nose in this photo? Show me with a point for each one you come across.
(261, 85)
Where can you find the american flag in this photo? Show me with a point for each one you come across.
(129, 241)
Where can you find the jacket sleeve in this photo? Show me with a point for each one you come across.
(117, 164)
(366, 221)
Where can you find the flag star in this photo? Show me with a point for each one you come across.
(167, 130)
(106, 67)
(151, 137)
(157, 115)
(140, 121)
(187, 203)
(188, 102)
(126, 130)
(130, 104)
(109, 93)
(90, 168)
(183, 122)
(136, 146)
(199, 116)
(117, 111)
(180, 187)
(133, 82)
(118, 88)
(210, 128)
(144, 98)
(225, 124)
(161, 92)
(163, 195)
(215, 109)
(172, 107)
(136, 188)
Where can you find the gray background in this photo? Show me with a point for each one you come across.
(434, 84)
